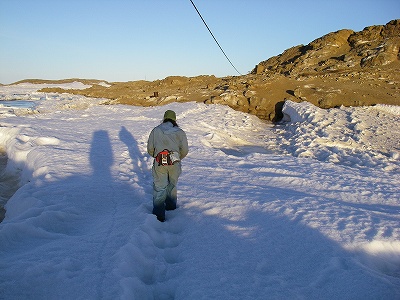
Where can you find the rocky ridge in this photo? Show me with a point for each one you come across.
(341, 68)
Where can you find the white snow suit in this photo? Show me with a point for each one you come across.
(165, 178)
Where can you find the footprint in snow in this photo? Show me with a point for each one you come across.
(147, 261)
(164, 235)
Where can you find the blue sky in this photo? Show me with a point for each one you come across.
(123, 40)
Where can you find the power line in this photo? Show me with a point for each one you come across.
(215, 38)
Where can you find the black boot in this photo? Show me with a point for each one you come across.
(161, 219)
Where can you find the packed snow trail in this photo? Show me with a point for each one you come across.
(259, 217)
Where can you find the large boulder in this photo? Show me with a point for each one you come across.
(338, 51)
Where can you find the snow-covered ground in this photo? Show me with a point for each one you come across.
(308, 209)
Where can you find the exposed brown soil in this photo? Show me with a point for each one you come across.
(341, 68)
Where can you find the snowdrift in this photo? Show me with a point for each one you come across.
(306, 209)
(364, 136)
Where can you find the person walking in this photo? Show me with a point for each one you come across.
(168, 145)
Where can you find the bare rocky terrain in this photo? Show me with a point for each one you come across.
(340, 68)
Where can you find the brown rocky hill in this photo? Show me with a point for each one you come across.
(341, 68)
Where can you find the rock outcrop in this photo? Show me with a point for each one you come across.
(341, 68)
(339, 51)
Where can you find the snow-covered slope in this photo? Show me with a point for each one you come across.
(307, 209)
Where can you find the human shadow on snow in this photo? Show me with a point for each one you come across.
(80, 224)
(138, 161)
(101, 156)
(71, 230)
(133, 148)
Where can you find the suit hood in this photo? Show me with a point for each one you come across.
(168, 128)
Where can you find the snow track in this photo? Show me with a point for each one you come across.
(305, 210)
(150, 261)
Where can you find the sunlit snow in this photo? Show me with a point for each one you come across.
(305, 209)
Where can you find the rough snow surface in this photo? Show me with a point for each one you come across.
(307, 209)
(364, 136)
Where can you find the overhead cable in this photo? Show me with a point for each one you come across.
(214, 38)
